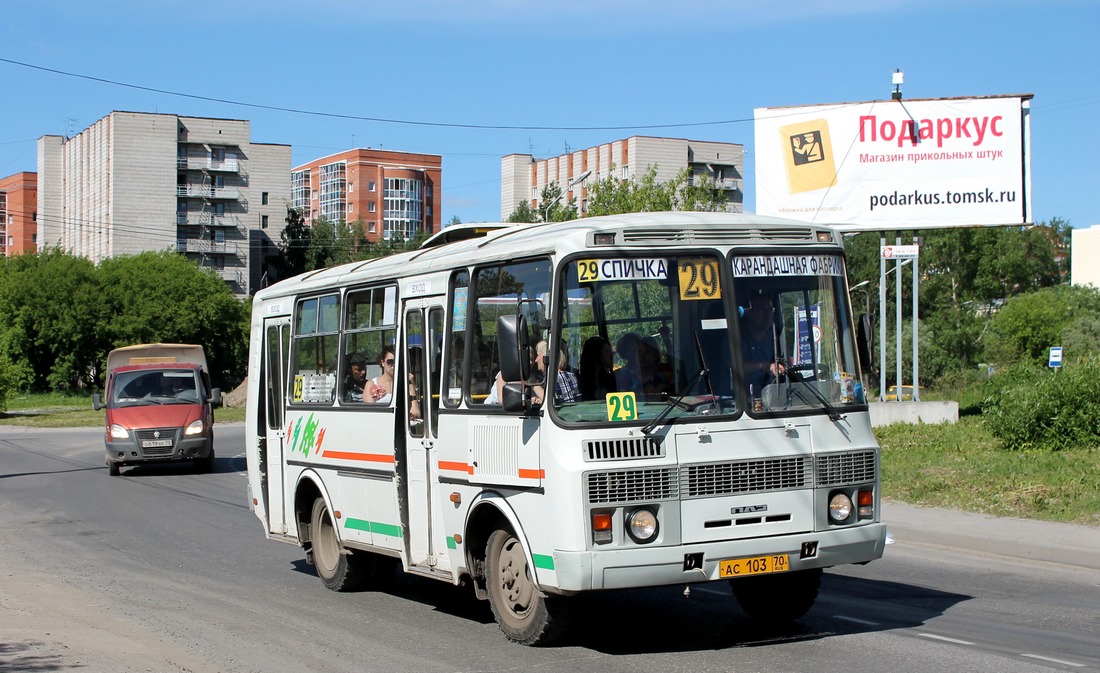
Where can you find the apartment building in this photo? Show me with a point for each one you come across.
(522, 177)
(135, 181)
(393, 194)
(18, 214)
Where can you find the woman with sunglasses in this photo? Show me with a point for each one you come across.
(380, 389)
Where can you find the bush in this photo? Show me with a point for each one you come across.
(1029, 407)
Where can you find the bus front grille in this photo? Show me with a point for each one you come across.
(748, 476)
(625, 486)
(839, 469)
(623, 449)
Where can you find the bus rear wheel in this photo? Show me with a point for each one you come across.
(339, 570)
(524, 614)
(783, 597)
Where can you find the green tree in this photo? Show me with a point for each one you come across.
(162, 297)
(50, 320)
(294, 244)
(455, 219)
(523, 213)
(552, 209)
(612, 195)
(1029, 324)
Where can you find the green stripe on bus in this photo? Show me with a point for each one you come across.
(373, 527)
(543, 561)
(451, 544)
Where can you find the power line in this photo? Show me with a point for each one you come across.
(382, 120)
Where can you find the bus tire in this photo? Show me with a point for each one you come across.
(338, 569)
(524, 614)
(782, 597)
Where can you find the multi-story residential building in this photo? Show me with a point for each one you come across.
(1085, 262)
(523, 177)
(393, 194)
(18, 213)
(136, 181)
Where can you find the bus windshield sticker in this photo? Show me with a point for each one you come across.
(699, 279)
(622, 407)
(593, 270)
(787, 265)
(458, 316)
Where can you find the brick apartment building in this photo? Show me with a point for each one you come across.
(134, 182)
(523, 177)
(19, 214)
(392, 193)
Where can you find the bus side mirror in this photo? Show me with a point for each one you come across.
(865, 342)
(513, 397)
(514, 346)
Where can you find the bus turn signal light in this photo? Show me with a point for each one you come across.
(866, 500)
(601, 527)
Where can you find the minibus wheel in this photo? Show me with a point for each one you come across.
(338, 569)
(113, 469)
(783, 597)
(524, 614)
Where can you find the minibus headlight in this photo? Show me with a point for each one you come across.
(840, 507)
(641, 525)
(119, 432)
(194, 429)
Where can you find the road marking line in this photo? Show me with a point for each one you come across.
(857, 621)
(1052, 660)
(945, 639)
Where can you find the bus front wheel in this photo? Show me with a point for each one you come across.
(338, 570)
(524, 613)
(783, 597)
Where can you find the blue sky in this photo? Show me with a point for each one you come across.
(478, 79)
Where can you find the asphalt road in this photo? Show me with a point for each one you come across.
(166, 570)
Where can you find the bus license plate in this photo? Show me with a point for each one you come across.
(154, 443)
(757, 565)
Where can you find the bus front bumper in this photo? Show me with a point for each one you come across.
(658, 566)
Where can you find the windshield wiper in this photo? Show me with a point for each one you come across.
(834, 414)
(703, 373)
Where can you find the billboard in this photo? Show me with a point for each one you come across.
(896, 164)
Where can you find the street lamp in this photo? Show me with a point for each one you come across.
(580, 178)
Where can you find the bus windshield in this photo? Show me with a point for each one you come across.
(662, 336)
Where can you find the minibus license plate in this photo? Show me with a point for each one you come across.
(757, 565)
(153, 443)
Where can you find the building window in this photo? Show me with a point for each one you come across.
(263, 221)
(370, 207)
(371, 227)
(370, 186)
(263, 198)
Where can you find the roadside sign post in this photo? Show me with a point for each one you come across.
(1055, 360)
(902, 255)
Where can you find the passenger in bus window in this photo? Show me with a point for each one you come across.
(644, 372)
(566, 388)
(597, 374)
(380, 389)
(356, 379)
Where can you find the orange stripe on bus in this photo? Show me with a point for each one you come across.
(368, 457)
(455, 466)
(532, 474)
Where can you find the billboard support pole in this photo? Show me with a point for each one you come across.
(882, 321)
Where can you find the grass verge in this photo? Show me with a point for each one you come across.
(65, 411)
(963, 466)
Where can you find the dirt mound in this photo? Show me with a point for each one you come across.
(238, 397)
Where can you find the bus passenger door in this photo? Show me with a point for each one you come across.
(276, 354)
(423, 364)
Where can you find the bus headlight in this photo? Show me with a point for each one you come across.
(119, 432)
(194, 429)
(641, 525)
(840, 507)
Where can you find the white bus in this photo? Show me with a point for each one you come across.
(666, 452)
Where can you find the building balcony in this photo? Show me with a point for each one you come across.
(209, 220)
(208, 164)
(204, 246)
(201, 192)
